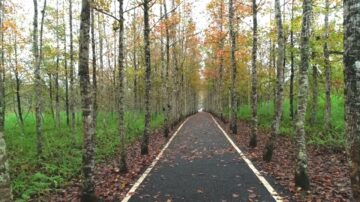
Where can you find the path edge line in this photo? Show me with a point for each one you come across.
(131, 192)
(262, 179)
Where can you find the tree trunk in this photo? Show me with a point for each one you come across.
(315, 93)
(121, 104)
(145, 140)
(254, 100)
(167, 79)
(176, 75)
(275, 130)
(37, 63)
(94, 67)
(101, 43)
(2, 64)
(292, 71)
(162, 64)
(66, 77)
(301, 176)
(5, 185)
(51, 96)
(88, 189)
(327, 70)
(136, 105)
(233, 114)
(221, 65)
(352, 90)
(57, 96)
(17, 79)
(71, 75)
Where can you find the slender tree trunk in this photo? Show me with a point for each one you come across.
(71, 75)
(167, 79)
(176, 76)
(254, 100)
(57, 96)
(37, 63)
(301, 176)
(66, 77)
(145, 141)
(17, 79)
(233, 114)
(315, 92)
(136, 102)
(162, 64)
(101, 43)
(292, 71)
(100, 74)
(94, 66)
(162, 61)
(327, 70)
(121, 104)
(269, 148)
(352, 90)
(88, 189)
(5, 185)
(221, 65)
(2, 64)
(51, 96)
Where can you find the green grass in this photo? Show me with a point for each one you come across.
(62, 158)
(315, 133)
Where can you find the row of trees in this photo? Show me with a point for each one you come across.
(256, 67)
(119, 69)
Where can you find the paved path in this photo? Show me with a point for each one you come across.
(200, 164)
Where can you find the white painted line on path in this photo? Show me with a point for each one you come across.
(267, 185)
(148, 170)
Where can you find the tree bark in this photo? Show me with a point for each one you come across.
(292, 70)
(136, 102)
(71, 75)
(327, 116)
(233, 114)
(17, 79)
(221, 65)
(315, 92)
(94, 66)
(66, 77)
(176, 75)
(37, 63)
(2, 64)
(57, 96)
(145, 140)
(254, 100)
(301, 176)
(121, 104)
(352, 90)
(275, 129)
(5, 184)
(167, 79)
(88, 189)
(51, 96)
(162, 64)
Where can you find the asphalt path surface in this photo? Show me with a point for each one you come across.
(200, 164)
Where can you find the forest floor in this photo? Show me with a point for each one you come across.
(111, 185)
(328, 169)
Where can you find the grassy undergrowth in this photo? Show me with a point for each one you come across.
(315, 133)
(62, 158)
